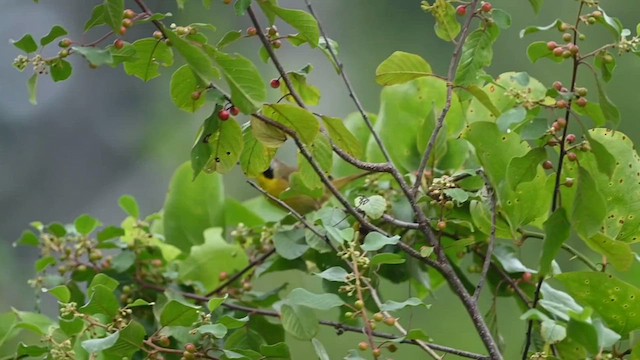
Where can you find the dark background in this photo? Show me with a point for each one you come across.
(102, 134)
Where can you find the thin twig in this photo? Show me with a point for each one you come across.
(240, 273)
(492, 238)
(148, 11)
(566, 247)
(451, 76)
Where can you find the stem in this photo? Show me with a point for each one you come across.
(492, 239)
(555, 202)
(451, 75)
(240, 273)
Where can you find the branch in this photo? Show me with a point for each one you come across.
(363, 165)
(492, 239)
(453, 69)
(148, 11)
(347, 83)
(240, 273)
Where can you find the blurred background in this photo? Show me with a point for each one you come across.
(102, 134)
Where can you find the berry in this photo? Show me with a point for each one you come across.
(564, 90)
(277, 44)
(552, 142)
(566, 54)
(234, 111)
(188, 356)
(63, 53)
(551, 45)
(392, 348)
(123, 31)
(118, 44)
(190, 348)
(582, 37)
(572, 156)
(581, 91)
(562, 122)
(607, 59)
(129, 14)
(556, 127)
(558, 51)
(359, 304)
(275, 83)
(461, 10)
(571, 138)
(547, 165)
(378, 317)
(442, 225)
(597, 14)
(164, 341)
(247, 286)
(591, 20)
(561, 104)
(363, 346)
(224, 115)
(196, 95)
(227, 2)
(127, 23)
(487, 7)
(567, 37)
(156, 263)
(377, 352)
(158, 34)
(573, 49)
(348, 314)
(223, 276)
(564, 27)
(273, 31)
(526, 277)
(582, 102)
(252, 31)
(557, 85)
(65, 43)
(390, 321)
(568, 182)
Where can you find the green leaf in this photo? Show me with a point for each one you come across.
(25, 351)
(376, 241)
(211, 258)
(295, 118)
(507, 258)
(229, 38)
(129, 342)
(129, 205)
(447, 27)
(302, 297)
(552, 332)
(477, 53)
(290, 244)
(266, 134)
(539, 50)
(55, 32)
(618, 253)
(44, 262)
(195, 57)
(616, 301)
(60, 292)
(184, 83)
(525, 168)
(310, 94)
(214, 303)
(534, 29)
(113, 10)
(612, 24)
(104, 280)
(335, 273)
(150, 54)
(176, 313)
(590, 207)
(610, 111)
(241, 6)
(606, 162)
(60, 70)
(85, 224)
(557, 231)
(255, 157)
(391, 305)
(387, 258)
(233, 323)
(299, 321)
(97, 18)
(28, 238)
(501, 18)
(342, 137)
(217, 330)
(536, 5)
(321, 352)
(300, 20)
(401, 67)
(97, 345)
(325, 45)
(484, 99)
(321, 151)
(226, 146)
(606, 62)
(35, 322)
(373, 206)
(191, 207)
(95, 56)
(248, 89)
(102, 301)
(26, 44)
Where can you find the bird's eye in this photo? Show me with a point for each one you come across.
(268, 173)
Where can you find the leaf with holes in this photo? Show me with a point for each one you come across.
(226, 146)
(616, 301)
(255, 157)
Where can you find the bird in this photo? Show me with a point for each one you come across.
(276, 181)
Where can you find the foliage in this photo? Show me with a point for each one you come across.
(455, 168)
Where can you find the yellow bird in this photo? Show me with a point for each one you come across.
(275, 180)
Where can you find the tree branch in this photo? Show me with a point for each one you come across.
(240, 273)
(492, 239)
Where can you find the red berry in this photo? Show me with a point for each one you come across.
(557, 85)
(526, 277)
(224, 115)
(442, 225)
(129, 14)
(376, 352)
(551, 45)
(558, 51)
(568, 182)
(123, 31)
(118, 44)
(562, 122)
(561, 104)
(252, 31)
(573, 49)
(461, 10)
(65, 43)
(572, 156)
(571, 138)
(190, 348)
(582, 102)
(234, 111)
(556, 126)
(196, 95)
(275, 83)
(547, 165)
(223, 276)
(486, 7)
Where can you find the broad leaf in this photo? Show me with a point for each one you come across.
(401, 67)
